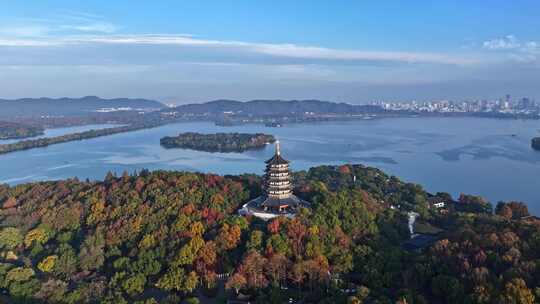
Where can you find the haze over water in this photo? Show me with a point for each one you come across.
(485, 157)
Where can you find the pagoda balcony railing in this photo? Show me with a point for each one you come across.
(281, 179)
(279, 183)
(277, 172)
(272, 184)
(278, 178)
(277, 165)
(273, 174)
(279, 193)
(278, 188)
(272, 168)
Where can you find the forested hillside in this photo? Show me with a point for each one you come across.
(275, 107)
(172, 236)
(37, 107)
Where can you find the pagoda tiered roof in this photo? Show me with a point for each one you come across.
(278, 198)
(277, 160)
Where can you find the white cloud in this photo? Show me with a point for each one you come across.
(70, 23)
(98, 27)
(290, 51)
(532, 46)
(81, 16)
(24, 31)
(516, 50)
(26, 43)
(508, 42)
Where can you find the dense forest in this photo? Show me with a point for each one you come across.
(12, 130)
(175, 237)
(218, 142)
(535, 143)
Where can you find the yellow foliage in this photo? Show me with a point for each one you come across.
(136, 224)
(148, 241)
(47, 264)
(314, 230)
(39, 235)
(20, 274)
(11, 256)
(197, 229)
(217, 199)
(96, 211)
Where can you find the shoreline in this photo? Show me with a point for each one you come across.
(42, 142)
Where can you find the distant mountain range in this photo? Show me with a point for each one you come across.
(36, 107)
(69, 107)
(275, 107)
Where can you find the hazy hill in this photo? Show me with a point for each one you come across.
(35, 107)
(275, 107)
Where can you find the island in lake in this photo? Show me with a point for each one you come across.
(535, 143)
(13, 130)
(218, 142)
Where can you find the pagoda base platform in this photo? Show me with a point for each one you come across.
(265, 207)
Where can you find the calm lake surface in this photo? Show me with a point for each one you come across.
(485, 157)
(59, 132)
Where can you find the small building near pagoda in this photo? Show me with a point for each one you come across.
(278, 198)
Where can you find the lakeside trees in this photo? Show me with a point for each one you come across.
(44, 142)
(166, 236)
(12, 130)
(218, 142)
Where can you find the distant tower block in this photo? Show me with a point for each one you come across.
(278, 198)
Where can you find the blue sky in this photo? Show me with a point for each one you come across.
(192, 51)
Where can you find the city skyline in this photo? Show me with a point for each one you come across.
(344, 51)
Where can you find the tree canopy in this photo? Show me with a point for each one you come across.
(165, 236)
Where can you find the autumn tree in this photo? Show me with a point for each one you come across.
(228, 237)
(237, 281)
(92, 255)
(516, 292)
(252, 268)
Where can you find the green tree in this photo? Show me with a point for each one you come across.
(255, 240)
(66, 264)
(52, 291)
(92, 255)
(172, 279)
(134, 284)
(19, 274)
(447, 288)
(10, 238)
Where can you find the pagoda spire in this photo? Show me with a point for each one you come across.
(278, 150)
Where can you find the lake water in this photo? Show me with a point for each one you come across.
(485, 157)
(59, 132)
